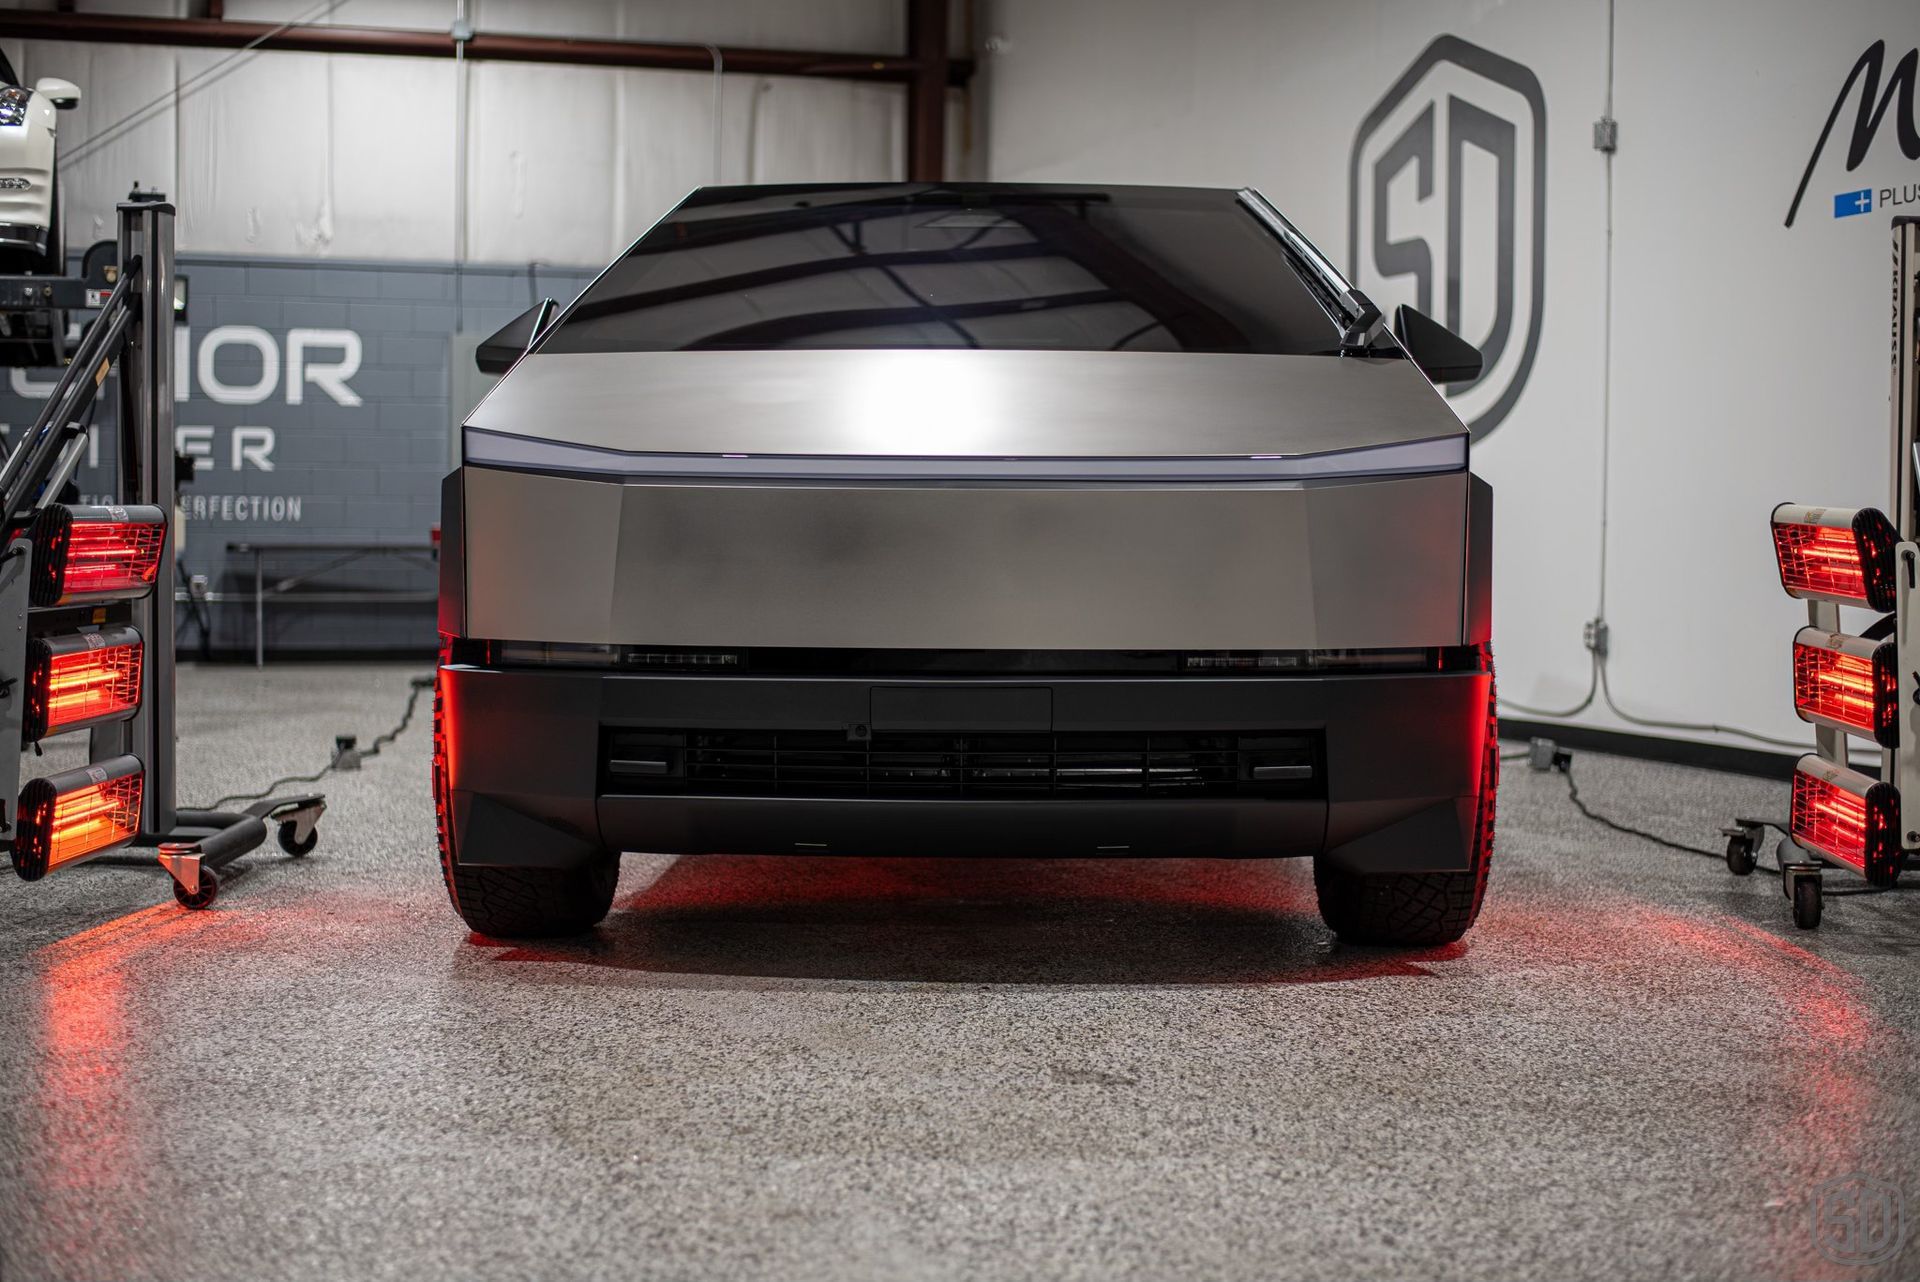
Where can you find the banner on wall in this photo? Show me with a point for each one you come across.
(1885, 99)
(234, 460)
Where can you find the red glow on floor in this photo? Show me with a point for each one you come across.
(87, 1114)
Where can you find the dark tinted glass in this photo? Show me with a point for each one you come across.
(1053, 268)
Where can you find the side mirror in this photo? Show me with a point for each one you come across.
(512, 340)
(63, 94)
(1441, 354)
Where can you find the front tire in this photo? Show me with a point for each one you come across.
(531, 903)
(514, 903)
(1418, 909)
(1404, 909)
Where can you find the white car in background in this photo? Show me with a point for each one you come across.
(30, 237)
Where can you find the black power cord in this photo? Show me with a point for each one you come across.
(344, 752)
(1563, 762)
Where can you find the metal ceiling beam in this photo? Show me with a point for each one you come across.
(218, 33)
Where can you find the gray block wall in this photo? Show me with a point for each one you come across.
(335, 455)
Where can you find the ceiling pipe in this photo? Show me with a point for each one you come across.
(114, 28)
(719, 70)
(927, 90)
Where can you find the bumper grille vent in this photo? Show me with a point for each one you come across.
(815, 763)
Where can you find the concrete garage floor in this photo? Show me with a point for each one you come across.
(791, 1068)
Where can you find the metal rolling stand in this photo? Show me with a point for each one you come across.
(1902, 766)
(1803, 865)
(134, 325)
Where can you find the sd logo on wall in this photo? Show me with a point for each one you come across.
(1447, 210)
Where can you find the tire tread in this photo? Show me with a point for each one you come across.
(1424, 908)
(531, 902)
(1419, 909)
(515, 903)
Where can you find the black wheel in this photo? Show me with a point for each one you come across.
(1407, 909)
(1806, 903)
(292, 845)
(516, 903)
(1416, 909)
(532, 903)
(208, 891)
(1741, 859)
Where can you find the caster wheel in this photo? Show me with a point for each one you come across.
(294, 847)
(1806, 903)
(1741, 859)
(209, 890)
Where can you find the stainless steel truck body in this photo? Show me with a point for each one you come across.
(968, 520)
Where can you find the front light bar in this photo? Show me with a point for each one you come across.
(1407, 458)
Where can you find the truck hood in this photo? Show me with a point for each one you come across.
(888, 413)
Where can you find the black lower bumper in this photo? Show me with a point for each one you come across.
(23, 236)
(1398, 773)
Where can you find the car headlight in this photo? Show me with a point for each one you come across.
(13, 105)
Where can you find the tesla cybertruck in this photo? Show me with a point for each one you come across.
(981, 519)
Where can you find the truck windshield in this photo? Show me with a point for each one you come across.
(916, 266)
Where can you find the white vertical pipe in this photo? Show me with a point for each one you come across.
(1606, 347)
(719, 71)
(459, 162)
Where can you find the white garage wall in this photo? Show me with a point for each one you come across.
(326, 156)
(1749, 359)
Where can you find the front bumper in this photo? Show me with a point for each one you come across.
(27, 178)
(1398, 769)
(23, 236)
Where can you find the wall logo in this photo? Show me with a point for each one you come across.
(1858, 1221)
(1899, 99)
(1849, 203)
(1447, 210)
